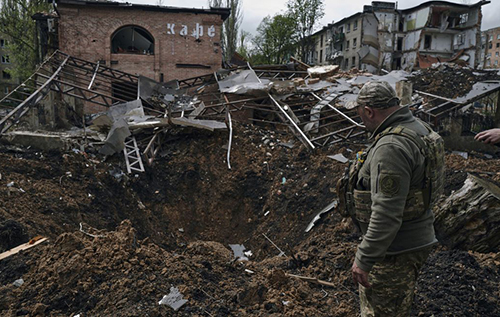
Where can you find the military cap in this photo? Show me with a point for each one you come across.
(375, 94)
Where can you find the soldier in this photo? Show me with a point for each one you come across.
(389, 193)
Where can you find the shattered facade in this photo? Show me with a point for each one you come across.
(384, 37)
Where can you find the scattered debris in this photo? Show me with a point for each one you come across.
(174, 299)
(239, 252)
(339, 158)
(18, 282)
(312, 280)
(281, 251)
(331, 206)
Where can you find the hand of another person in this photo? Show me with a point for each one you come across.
(491, 136)
(360, 276)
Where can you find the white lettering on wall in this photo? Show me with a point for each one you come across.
(197, 32)
(184, 30)
(170, 28)
(211, 31)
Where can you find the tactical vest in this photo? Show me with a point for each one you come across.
(357, 203)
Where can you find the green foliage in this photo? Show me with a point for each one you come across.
(19, 28)
(231, 26)
(307, 14)
(282, 35)
(243, 46)
(275, 39)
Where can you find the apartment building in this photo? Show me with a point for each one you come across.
(490, 40)
(383, 37)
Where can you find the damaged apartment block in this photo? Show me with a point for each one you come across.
(383, 37)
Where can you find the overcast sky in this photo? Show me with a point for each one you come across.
(255, 10)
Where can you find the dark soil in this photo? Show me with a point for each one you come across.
(117, 244)
(437, 80)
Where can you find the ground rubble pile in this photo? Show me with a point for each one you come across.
(205, 214)
(177, 239)
(449, 80)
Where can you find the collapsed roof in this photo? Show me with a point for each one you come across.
(309, 103)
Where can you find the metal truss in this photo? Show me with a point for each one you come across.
(71, 76)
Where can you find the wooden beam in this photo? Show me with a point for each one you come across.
(22, 247)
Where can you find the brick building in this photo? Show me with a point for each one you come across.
(491, 44)
(161, 43)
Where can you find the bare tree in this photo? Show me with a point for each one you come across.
(230, 28)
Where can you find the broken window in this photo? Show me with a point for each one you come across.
(491, 38)
(5, 59)
(427, 41)
(347, 45)
(346, 63)
(5, 75)
(460, 39)
(3, 43)
(490, 45)
(348, 27)
(6, 90)
(464, 18)
(354, 42)
(132, 40)
(321, 45)
(353, 61)
(498, 45)
(498, 36)
(321, 56)
(355, 27)
(496, 63)
(400, 44)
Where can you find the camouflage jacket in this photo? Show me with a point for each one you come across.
(390, 180)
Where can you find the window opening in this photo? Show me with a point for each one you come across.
(427, 41)
(132, 40)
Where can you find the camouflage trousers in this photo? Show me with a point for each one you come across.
(393, 284)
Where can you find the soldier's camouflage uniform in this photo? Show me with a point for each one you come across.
(393, 185)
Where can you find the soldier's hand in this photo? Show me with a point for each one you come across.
(360, 276)
(489, 136)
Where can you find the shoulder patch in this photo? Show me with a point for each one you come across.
(389, 184)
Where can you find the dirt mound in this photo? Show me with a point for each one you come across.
(436, 80)
(118, 244)
(453, 283)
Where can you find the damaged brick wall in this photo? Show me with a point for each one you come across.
(86, 32)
